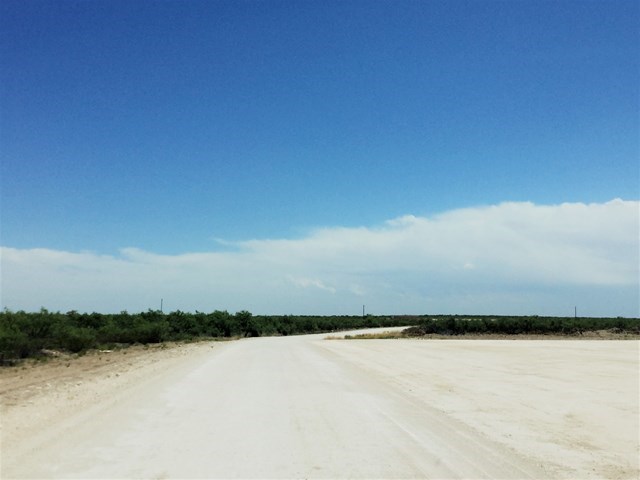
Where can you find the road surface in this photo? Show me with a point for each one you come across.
(305, 407)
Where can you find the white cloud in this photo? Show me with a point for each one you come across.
(310, 282)
(507, 258)
(357, 290)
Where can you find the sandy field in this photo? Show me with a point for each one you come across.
(306, 407)
(574, 405)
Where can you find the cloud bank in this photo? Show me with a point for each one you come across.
(511, 258)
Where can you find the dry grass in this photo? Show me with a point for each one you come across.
(381, 335)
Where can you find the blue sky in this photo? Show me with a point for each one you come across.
(178, 128)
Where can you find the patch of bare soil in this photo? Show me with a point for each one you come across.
(42, 392)
(571, 405)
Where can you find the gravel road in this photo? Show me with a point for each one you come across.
(305, 407)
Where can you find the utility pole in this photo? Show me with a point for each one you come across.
(161, 300)
(575, 312)
(362, 311)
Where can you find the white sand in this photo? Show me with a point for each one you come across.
(304, 407)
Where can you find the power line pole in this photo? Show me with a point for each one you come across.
(161, 300)
(362, 311)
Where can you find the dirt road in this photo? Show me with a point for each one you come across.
(305, 407)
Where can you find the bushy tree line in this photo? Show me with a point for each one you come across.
(25, 334)
(457, 325)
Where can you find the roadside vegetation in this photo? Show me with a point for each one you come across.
(448, 326)
(33, 334)
(523, 325)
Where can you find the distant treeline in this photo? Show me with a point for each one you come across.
(461, 325)
(24, 334)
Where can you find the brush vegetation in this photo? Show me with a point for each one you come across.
(462, 325)
(29, 334)
(449, 326)
(32, 334)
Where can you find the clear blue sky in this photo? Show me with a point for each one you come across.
(164, 125)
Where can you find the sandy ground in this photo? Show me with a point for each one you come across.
(40, 395)
(572, 405)
(305, 407)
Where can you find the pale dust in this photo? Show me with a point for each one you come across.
(45, 392)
